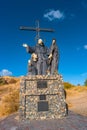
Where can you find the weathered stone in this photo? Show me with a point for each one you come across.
(30, 97)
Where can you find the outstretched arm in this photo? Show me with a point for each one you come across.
(25, 45)
(29, 49)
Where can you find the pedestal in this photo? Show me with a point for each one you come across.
(42, 97)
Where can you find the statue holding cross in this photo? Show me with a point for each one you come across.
(43, 60)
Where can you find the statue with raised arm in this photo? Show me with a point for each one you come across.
(41, 52)
(43, 60)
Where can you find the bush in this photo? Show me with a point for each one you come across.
(2, 81)
(11, 81)
(68, 85)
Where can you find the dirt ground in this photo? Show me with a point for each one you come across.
(77, 102)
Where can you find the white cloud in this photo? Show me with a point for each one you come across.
(54, 14)
(85, 46)
(5, 72)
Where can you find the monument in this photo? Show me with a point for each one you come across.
(42, 94)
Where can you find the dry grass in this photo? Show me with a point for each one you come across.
(10, 103)
(77, 100)
(9, 96)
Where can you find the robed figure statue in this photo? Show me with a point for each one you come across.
(43, 60)
(53, 58)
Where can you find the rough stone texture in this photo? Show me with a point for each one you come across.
(30, 96)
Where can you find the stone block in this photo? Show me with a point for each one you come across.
(42, 97)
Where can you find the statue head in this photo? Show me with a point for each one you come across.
(34, 57)
(40, 41)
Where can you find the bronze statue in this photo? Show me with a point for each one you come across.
(53, 57)
(43, 60)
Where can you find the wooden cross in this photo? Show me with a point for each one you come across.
(37, 29)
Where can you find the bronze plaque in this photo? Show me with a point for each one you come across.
(41, 84)
(42, 106)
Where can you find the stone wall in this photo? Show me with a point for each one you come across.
(42, 97)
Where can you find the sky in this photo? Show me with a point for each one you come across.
(69, 20)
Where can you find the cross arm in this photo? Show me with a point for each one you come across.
(27, 28)
(36, 29)
(46, 30)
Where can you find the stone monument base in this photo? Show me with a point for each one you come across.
(42, 97)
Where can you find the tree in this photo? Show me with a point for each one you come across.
(85, 83)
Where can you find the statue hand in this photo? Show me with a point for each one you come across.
(50, 56)
(25, 45)
(53, 42)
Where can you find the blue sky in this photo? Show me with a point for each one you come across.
(69, 20)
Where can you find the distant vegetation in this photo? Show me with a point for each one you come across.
(68, 85)
(85, 83)
(7, 80)
(2, 81)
